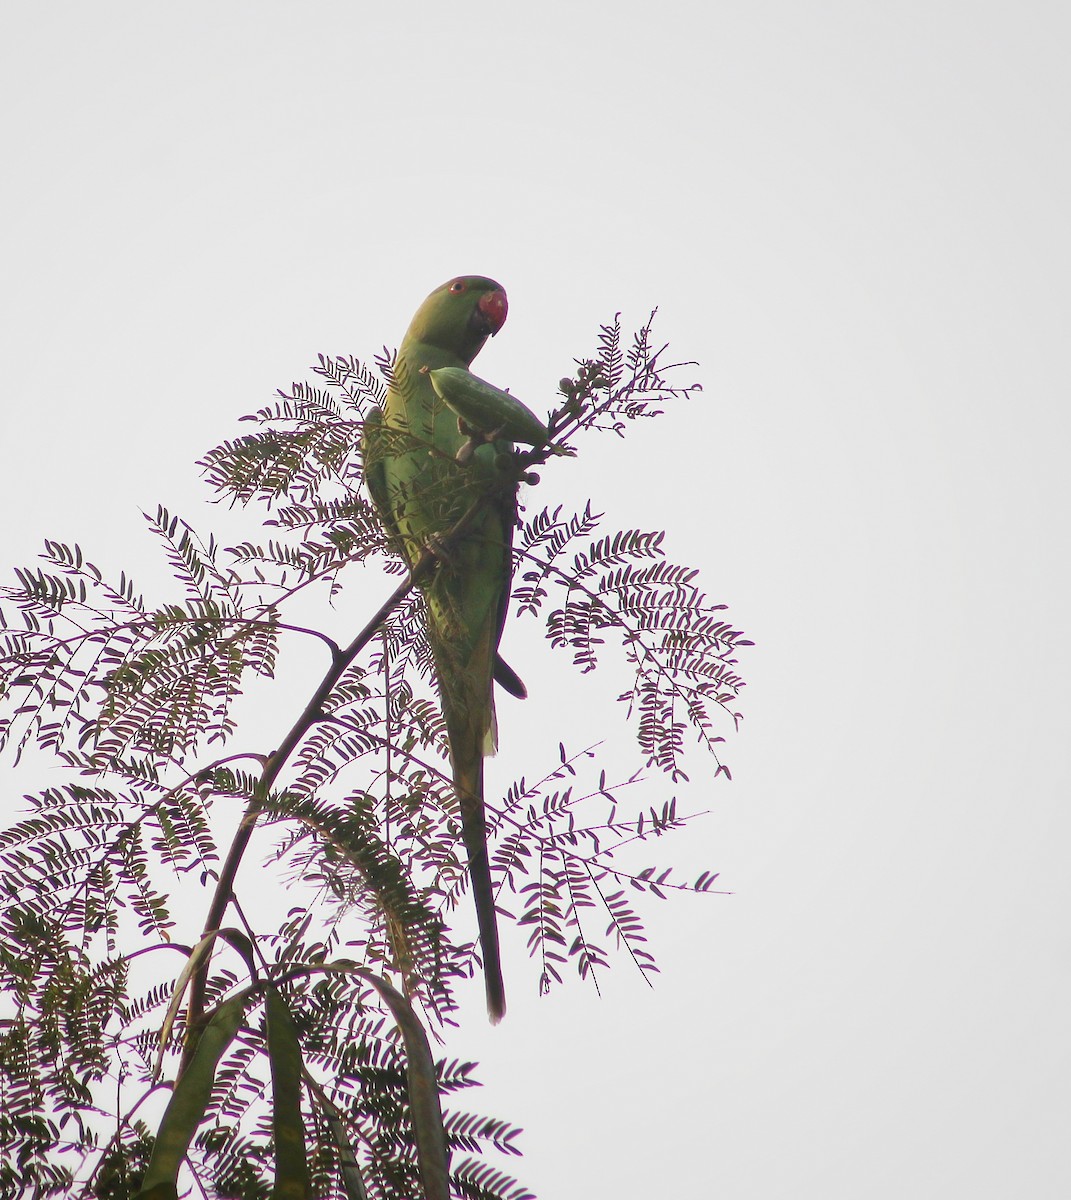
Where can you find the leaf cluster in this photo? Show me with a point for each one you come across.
(139, 700)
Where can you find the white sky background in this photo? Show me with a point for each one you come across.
(856, 218)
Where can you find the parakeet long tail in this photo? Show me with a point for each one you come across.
(468, 780)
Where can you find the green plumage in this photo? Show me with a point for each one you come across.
(421, 491)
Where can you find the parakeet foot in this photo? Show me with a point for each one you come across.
(436, 546)
(476, 439)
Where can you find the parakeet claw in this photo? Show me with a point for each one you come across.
(436, 546)
(476, 439)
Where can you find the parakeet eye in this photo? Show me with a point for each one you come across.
(458, 285)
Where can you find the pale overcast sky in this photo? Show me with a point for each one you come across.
(855, 217)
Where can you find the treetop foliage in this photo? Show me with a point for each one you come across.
(300, 1054)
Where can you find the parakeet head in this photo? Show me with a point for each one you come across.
(460, 315)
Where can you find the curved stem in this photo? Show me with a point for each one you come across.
(275, 762)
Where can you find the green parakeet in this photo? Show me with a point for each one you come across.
(420, 491)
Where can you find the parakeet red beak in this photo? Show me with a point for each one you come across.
(493, 308)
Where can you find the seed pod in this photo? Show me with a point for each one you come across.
(487, 408)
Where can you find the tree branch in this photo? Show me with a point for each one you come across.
(275, 762)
